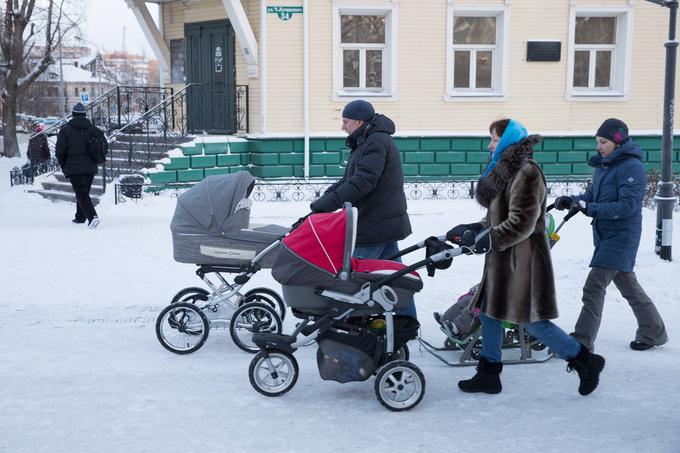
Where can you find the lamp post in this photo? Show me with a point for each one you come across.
(62, 89)
(664, 198)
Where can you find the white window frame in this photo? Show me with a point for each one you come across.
(499, 52)
(389, 66)
(621, 54)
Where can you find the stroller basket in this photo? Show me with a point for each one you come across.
(355, 355)
(211, 224)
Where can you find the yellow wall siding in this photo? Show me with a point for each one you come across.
(176, 15)
(535, 91)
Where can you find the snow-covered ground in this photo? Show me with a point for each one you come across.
(81, 369)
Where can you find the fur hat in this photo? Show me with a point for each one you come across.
(358, 110)
(613, 129)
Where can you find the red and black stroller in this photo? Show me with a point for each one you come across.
(346, 306)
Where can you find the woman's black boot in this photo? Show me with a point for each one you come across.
(487, 379)
(588, 366)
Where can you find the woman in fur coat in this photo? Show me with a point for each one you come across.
(517, 284)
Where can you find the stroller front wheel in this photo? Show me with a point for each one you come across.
(182, 328)
(252, 318)
(273, 374)
(399, 385)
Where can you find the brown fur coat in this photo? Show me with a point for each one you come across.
(517, 284)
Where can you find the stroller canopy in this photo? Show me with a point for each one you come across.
(215, 205)
(321, 240)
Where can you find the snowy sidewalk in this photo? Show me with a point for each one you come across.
(81, 369)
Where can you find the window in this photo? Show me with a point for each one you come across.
(475, 52)
(363, 59)
(76, 91)
(598, 52)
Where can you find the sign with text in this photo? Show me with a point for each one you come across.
(285, 13)
(84, 97)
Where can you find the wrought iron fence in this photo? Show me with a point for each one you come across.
(140, 142)
(27, 173)
(308, 190)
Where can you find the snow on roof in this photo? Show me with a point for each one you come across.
(71, 74)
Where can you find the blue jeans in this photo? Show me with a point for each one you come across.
(381, 252)
(548, 333)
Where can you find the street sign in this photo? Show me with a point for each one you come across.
(84, 97)
(285, 13)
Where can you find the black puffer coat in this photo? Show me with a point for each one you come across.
(71, 149)
(374, 183)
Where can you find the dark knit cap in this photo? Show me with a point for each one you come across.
(78, 109)
(613, 129)
(358, 110)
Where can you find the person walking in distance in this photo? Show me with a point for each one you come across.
(38, 151)
(614, 202)
(77, 163)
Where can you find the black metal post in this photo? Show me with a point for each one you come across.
(664, 198)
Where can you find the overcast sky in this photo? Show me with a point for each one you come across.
(104, 22)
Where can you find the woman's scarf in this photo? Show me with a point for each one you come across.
(514, 133)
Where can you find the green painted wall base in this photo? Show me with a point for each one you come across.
(433, 157)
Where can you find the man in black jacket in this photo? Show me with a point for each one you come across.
(77, 164)
(373, 183)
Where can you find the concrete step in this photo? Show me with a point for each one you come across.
(56, 195)
(58, 186)
(61, 178)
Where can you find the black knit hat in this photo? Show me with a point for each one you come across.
(78, 109)
(358, 110)
(613, 129)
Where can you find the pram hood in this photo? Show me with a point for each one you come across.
(322, 240)
(216, 205)
(319, 254)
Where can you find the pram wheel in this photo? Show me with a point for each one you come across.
(275, 374)
(191, 295)
(250, 318)
(267, 296)
(182, 328)
(399, 385)
(402, 353)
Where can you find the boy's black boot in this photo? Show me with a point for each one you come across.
(487, 379)
(588, 366)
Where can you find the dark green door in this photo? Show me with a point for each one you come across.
(210, 66)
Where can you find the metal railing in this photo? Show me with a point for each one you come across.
(153, 132)
(308, 190)
(27, 173)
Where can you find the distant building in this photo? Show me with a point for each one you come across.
(131, 69)
(86, 74)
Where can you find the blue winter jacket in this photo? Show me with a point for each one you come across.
(614, 201)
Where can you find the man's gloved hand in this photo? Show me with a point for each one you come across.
(563, 202)
(456, 233)
(579, 206)
(316, 206)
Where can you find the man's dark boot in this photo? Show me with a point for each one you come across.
(487, 379)
(588, 366)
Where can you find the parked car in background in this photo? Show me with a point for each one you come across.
(49, 121)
